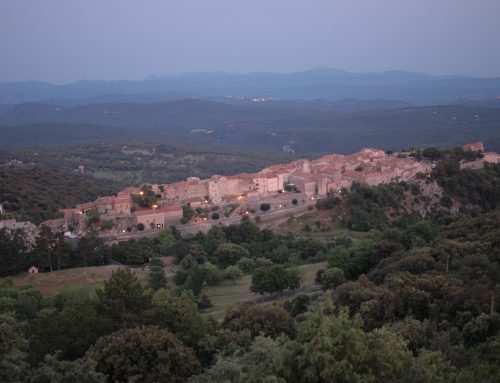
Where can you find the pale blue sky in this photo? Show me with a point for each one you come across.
(67, 40)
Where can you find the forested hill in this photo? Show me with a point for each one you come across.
(38, 194)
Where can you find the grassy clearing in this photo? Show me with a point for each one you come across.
(232, 293)
(88, 279)
(77, 279)
(323, 225)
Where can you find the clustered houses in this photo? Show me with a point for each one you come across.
(317, 177)
(311, 178)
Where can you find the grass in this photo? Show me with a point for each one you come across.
(323, 225)
(77, 279)
(232, 293)
(88, 279)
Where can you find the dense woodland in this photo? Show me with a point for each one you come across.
(37, 194)
(414, 299)
(307, 127)
(414, 304)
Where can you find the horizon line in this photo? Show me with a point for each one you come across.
(153, 77)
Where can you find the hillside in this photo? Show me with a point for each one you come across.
(38, 193)
(36, 183)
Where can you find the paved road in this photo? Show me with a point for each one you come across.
(204, 227)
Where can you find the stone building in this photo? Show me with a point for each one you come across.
(477, 146)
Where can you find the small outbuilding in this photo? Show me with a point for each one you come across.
(33, 270)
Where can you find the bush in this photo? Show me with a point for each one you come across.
(431, 153)
(332, 278)
(246, 265)
(275, 279)
(205, 302)
(265, 206)
(297, 305)
(211, 274)
(233, 273)
(228, 254)
(294, 201)
(187, 214)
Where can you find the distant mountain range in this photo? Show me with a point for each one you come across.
(328, 84)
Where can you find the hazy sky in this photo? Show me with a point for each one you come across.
(67, 40)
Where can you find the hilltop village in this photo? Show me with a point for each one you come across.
(281, 186)
(278, 189)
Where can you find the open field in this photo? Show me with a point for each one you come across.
(77, 279)
(232, 293)
(322, 224)
(91, 278)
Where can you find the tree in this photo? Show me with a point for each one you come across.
(133, 251)
(211, 274)
(146, 354)
(215, 216)
(71, 331)
(297, 305)
(353, 261)
(331, 278)
(44, 247)
(274, 279)
(157, 279)
(107, 225)
(146, 197)
(13, 255)
(312, 248)
(122, 298)
(336, 349)
(228, 254)
(247, 265)
(28, 302)
(140, 226)
(329, 202)
(294, 276)
(431, 366)
(164, 240)
(214, 238)
(431, 153)
(54, 370)
(268, 320)
(187, 213)
(233, 273)
(190, 276)
(181, 317)
(91, 250)
(12, 347)
(257, 364)
(93, 218)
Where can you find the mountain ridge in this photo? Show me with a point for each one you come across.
(329, 83)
